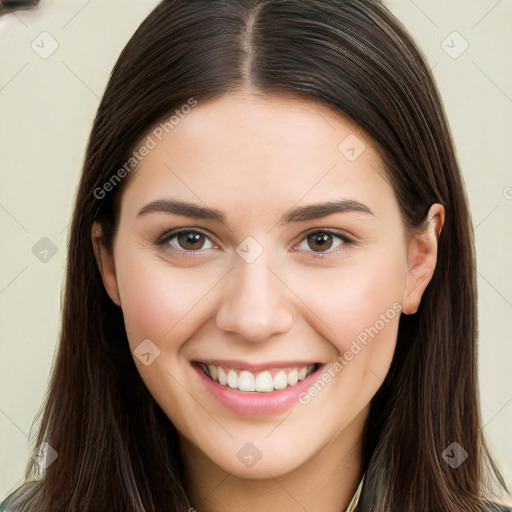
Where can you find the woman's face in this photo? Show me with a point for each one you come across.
(258, 242)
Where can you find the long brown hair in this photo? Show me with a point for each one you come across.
(117, 451)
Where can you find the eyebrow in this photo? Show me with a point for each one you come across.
(320, 210)
(298, 214)
(183, 208)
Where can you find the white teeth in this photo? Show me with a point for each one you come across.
(280, 380)
(246, 382)
(263, 382)
(213, 371)
(293, 377)
(232, 379)
(221, 376)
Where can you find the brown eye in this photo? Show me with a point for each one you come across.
(320, 241)
(191, 240)
(186, 240)
(324, 242)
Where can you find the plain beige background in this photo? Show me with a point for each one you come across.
(54, 64)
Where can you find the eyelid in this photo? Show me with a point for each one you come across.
(347, 241)
(168, 235)
(330, 231)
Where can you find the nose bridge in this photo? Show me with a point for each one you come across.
(254, 303)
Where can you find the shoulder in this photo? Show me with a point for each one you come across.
(497, 507)
(23, 499)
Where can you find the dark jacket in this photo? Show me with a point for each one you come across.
(9, 504)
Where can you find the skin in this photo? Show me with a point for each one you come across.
(255, 158)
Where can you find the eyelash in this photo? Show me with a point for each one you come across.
(164, 240)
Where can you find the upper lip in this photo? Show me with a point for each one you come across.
(252, 367)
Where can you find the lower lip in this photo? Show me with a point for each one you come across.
(254, 403)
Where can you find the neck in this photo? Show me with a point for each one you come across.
(325, 482)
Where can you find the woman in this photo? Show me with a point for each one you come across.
(270, 299)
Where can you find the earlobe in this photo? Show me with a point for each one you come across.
(105, 261)
(422, 259)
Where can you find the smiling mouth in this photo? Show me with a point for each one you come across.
(266, 381)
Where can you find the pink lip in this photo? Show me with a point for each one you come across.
(240, 365)
(253, 403)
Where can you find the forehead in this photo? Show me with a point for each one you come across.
(259, 152)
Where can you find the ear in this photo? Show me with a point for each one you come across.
(105, 262)
(422, 259)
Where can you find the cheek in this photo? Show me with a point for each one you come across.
(166, 306)
(158, 300)
(357, 309)
(355, 296)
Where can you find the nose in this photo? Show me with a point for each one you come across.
(255, 302)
